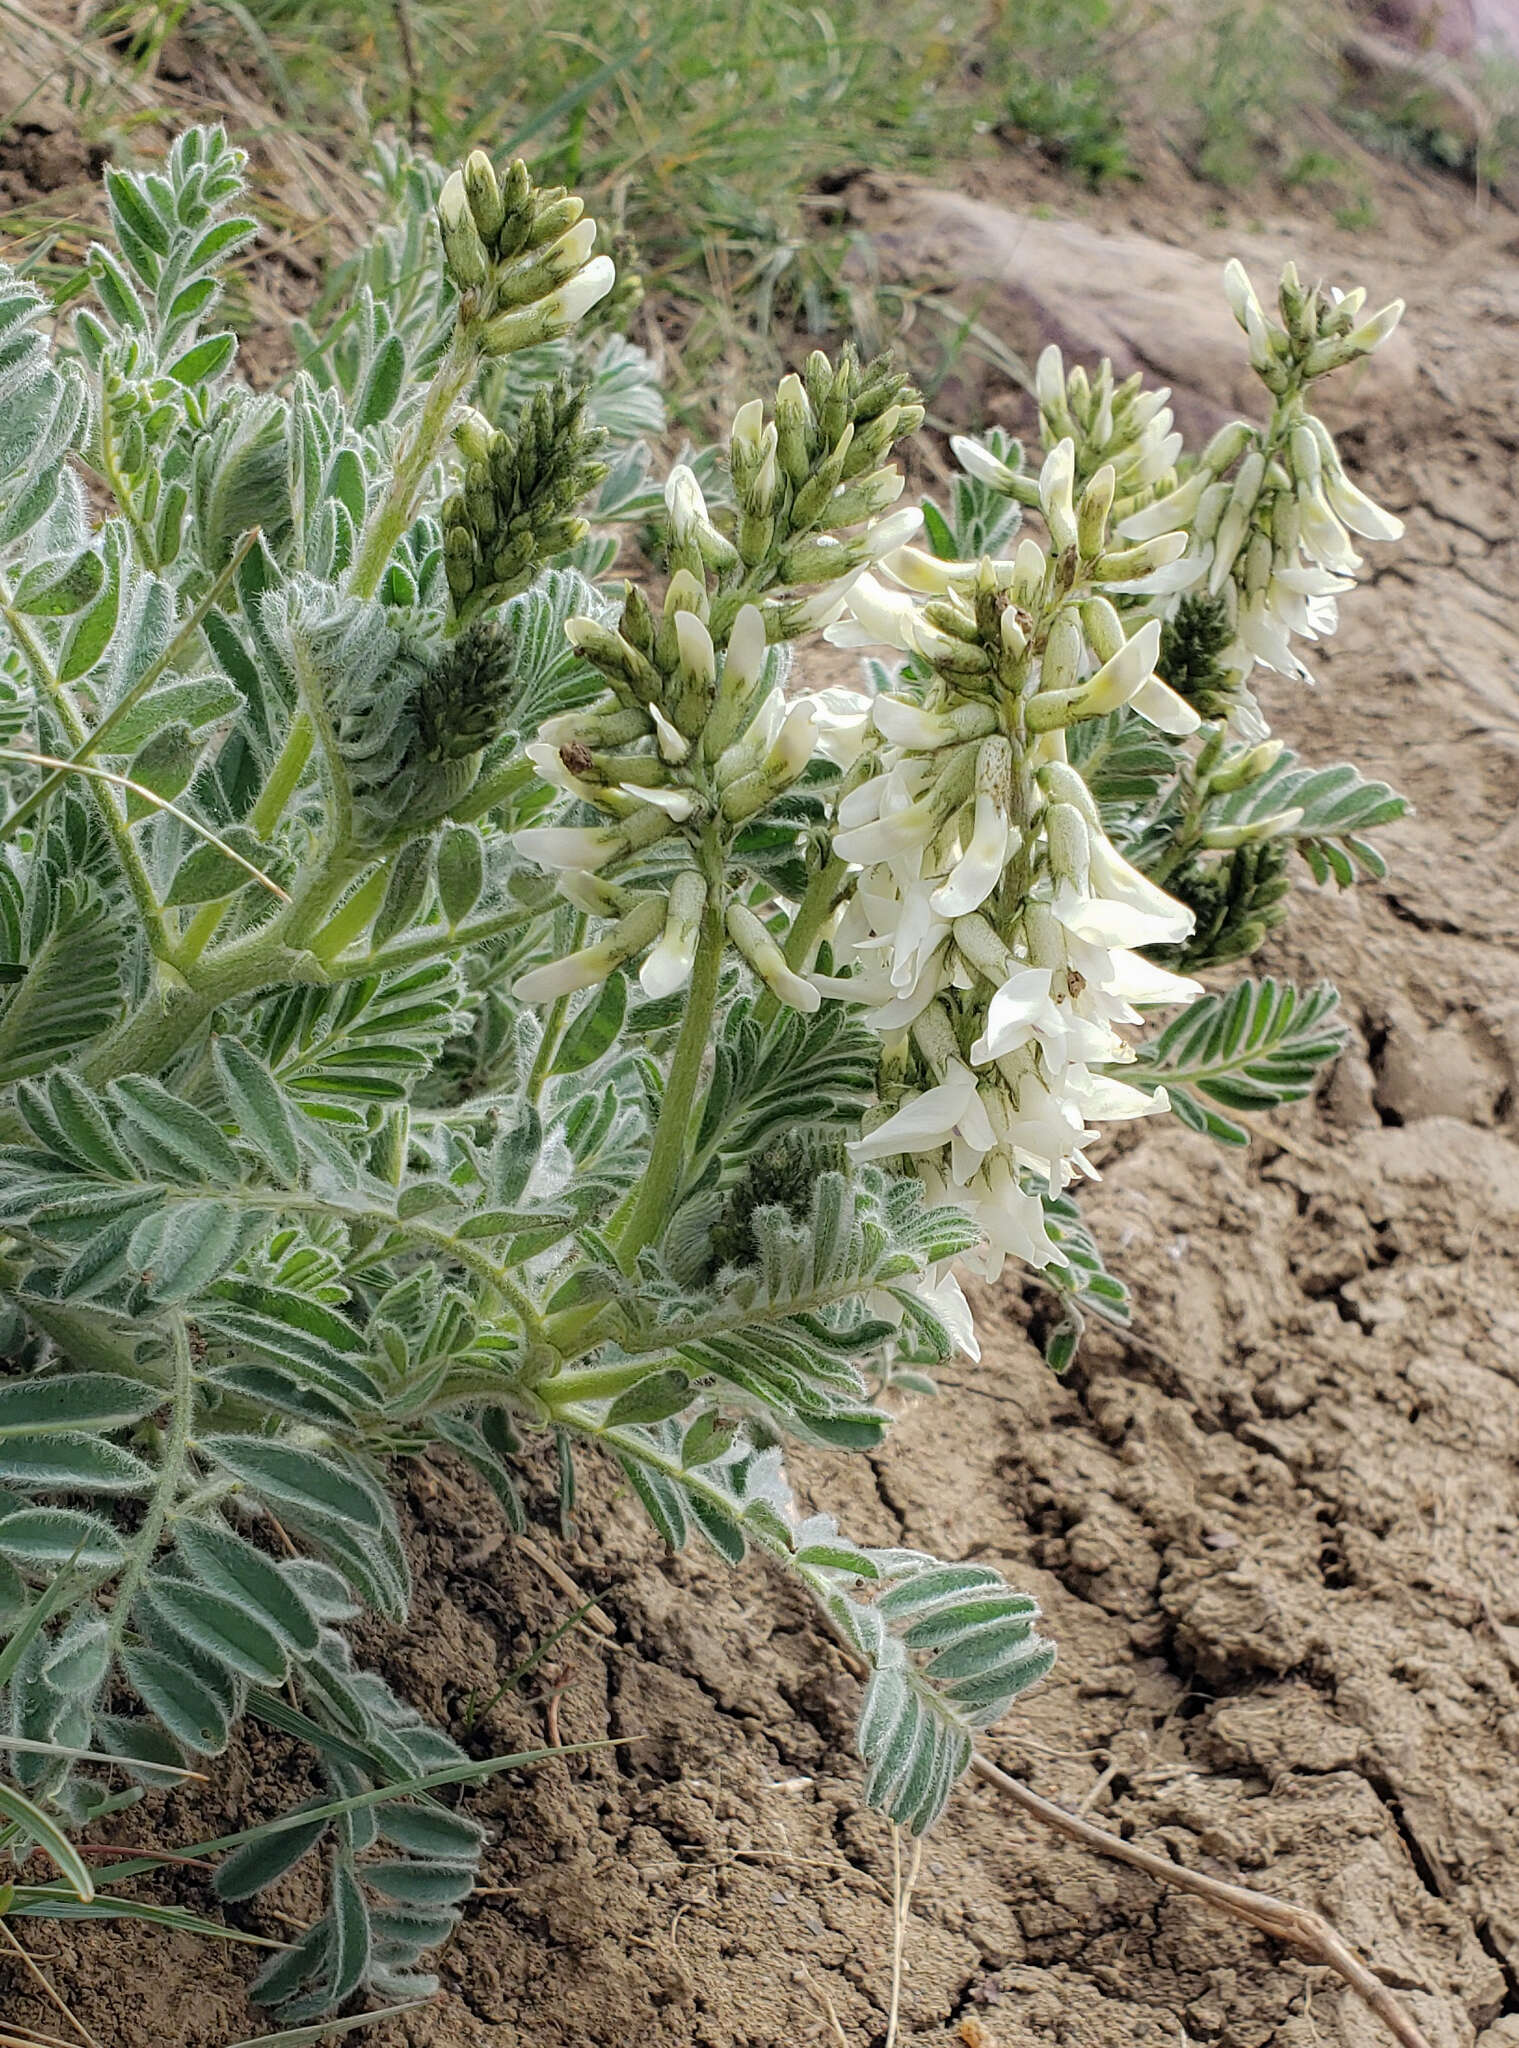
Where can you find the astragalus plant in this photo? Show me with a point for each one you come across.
(445, 1002)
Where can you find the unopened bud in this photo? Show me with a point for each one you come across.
(484, 194)
(1092, 513)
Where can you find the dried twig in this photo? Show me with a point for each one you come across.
(565, 1583)
(901, 1896)
(1307, 1932)
(54, 1998)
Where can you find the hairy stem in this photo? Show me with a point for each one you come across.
(397, 508)
(661, 1182)
(175, 1452)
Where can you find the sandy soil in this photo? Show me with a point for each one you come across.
(1276, 1532)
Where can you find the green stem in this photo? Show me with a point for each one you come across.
(135, 874)
(433, 943)
(284, 777)
(396, 509)
(812, 913)
(121, 491)
(661, 1181)
(176, 1450)
(95, 739)
(553, 1026)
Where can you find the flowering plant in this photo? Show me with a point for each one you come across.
(448, 1001)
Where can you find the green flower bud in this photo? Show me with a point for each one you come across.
(484, 194)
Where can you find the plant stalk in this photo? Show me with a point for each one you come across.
(661, 1183)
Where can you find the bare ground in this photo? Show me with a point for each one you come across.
(1276, 1533)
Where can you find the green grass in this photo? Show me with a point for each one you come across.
(703, 130)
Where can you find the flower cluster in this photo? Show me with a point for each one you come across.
(1268, 510)
(516, 506)
(1001, 940)
(993, 927)
(520, 255)
(694, 738)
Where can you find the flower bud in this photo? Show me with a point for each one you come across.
(1223, 838)
(484, 195)
(464, 253)
(753, 940)
(1068, 846)
(1226, 447)
(668, 966)
(609, 652)
(1056, 482)
(1245, 767)
(554, 218)
(794, 428)
(978, 461)
(1092, 513)
(1103, 627)
(1062, 651)
(1031, 570)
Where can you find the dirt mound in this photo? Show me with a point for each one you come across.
(1277, 1532)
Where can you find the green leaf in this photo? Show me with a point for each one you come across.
(264, 1859)
(90, 635)
(264, 1118)
(221, 1627)
(1338, 804)
(169, 1136)
(179, 1251)
(47, 1539)
(207, 874)
(77, 1401)
(22, 1813)
(461, 871)
(189, 1709)
(57, 589)
(651, 1399)
(1257, 1046)
(204, 360)
(299, 1479)
(71, 1463)
(382, 387)
(231, 1566)
(595, 1029)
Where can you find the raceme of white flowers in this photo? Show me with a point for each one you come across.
(984, 918)
(992, 927)
(1269, 512)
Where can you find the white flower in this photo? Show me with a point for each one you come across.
(1011, 1219)
(586, 847)
(841, 721)
(877, 617)
(698, 657)
(673, 802)
(1124, 907)
(941, 1292)
(684, 501)
(1019, 1011)
(746, 647)
(673, 745)
(950, 1113)
(668, 967)
(979, 868)
(894, 531)
(583, 291)
(1101, 1096)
